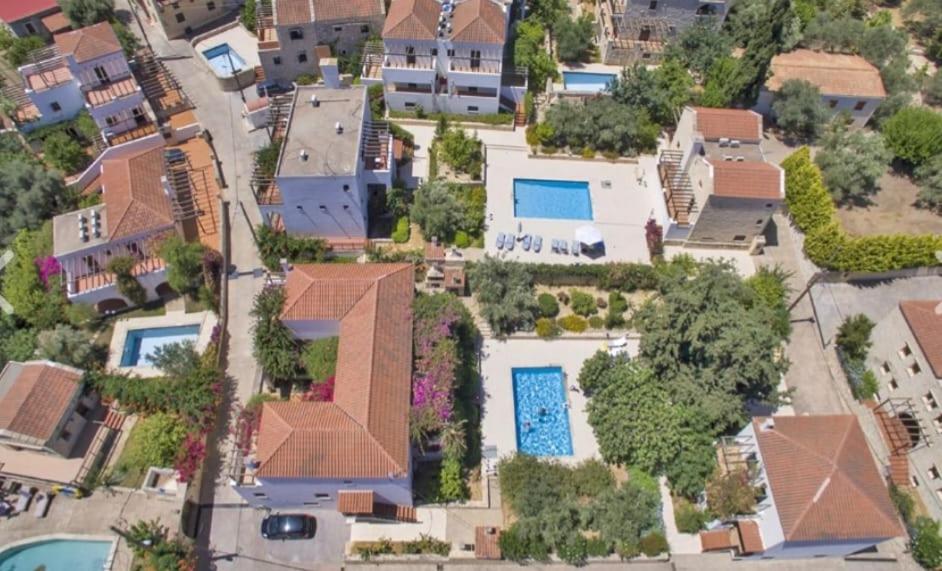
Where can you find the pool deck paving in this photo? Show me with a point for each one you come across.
(207, 321)
(239, 40)
(499, 357)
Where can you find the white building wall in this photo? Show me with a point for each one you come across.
(69, 98)
(297, 492)
(343, 214)
(834, 103)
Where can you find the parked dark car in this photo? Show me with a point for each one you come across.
(272, 88)
(289, 526)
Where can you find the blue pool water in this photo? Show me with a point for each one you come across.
(57, 555)
(141, 343)
(540, 409)
(586, 82)
(224, 60)
(560, 199)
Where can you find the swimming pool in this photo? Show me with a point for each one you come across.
(57, 555)
(140, 344)
(541, 411)
(224, 60)
(559, 199)
(586, 82)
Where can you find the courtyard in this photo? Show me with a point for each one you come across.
(500, 423)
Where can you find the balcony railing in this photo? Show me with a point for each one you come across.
(475, 65)
(408, 61)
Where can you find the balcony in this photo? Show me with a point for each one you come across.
(410, 88)
(106, 93)
(475, 65)
(678, 192)
(408, 61)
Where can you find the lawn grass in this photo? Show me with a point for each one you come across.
(132, 474)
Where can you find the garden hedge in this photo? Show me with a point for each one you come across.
(826, 242)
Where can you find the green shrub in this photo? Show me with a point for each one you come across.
(461, 152)
(596, 322)
(266, 159)
(598, 547)
(653, 544)
(547, 328)
(155, 441)
(377, 101)
(914, 134)
(927, 543)
(485, 118)
(306, 79)
(65, 153)
(515, 547)
(904, 502)
(123, 267)
(573, 323)
(826, 242)
(427, 544)
(869, 385)
(574, 550)
(462, 240)
(687, 517)
(614, 320)
(320, 358)
(588, 153)
(402, 232)
(853, 336)
(643, 480)
(591, 477)
(549, 307)
(452, 485)
(582, 303)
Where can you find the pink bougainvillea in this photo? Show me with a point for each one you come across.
(320, 392)
(191, 455)
(436, 363)
(48, 267)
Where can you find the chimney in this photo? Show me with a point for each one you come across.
(330, 72)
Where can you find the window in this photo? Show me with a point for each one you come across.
(832, 103)
(412, 85)
(893, 384)
(933, 473)
(937, 421)
(929, 400)
(914, 369)
(472, 109)
(346, 187)
(739, 238)
(102, 74)
(322, 496)
(410, 55)
(434, 51)
(451, 53)
(30, 28)
(276, 60)
(885, 368)
(706, 10)
(475, 59)
(905, 351)
(914, 480)
(180, 17)
(260, 495)
(110, 121)
(65, 434)
(645, 34)
(81, 409)
(55, 106)
(364, 29)
(409, 104)
(938, 494)
(759, 222)
(338, 28)
(348, 481)
(472, 89)
(210, 5)
(860, 105)
(302, 57)
(652, 5)
(645, 55)
(296, 34)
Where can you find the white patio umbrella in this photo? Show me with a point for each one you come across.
(588, 235)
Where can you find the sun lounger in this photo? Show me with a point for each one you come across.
(41, 507)
(509, 243)
(22, 501)
(575, 248)
(526, 243)
(537, 244)
(563, 247)
(500, 241)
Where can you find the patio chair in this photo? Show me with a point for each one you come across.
(500, 241)
(41, 506)
(509, 243)
(575, 248)
(22, 501)
(563, 247)
(526, 243)
(537, 244)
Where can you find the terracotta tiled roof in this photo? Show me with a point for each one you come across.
(833, 74)
(56, 23)
(750, 538)
(108, 92)
(363, 433)
(721, 539)
(134, 195)
(16, 10)
(434, 251)
(737, 124)
(36, 396)
(925, 321)
(823, 479)
(479, 22)
(747, 179)
(355, 502)
(90, 42)
(293, 12)
(412, 20)
(487, 543)
(331, 10)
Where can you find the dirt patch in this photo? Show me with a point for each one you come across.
(892, 211)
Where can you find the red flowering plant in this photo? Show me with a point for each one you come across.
(320, 392)
(48, 268)
(191, 455)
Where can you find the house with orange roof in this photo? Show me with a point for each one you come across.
(718, 187)
(848, 83)
(906, 356)
(351, 453)
(445, 56)
(52, 427)
(295, 35)
(148, 192)
(84, 69)
(32, 17)
(821, 493)
(178, 19)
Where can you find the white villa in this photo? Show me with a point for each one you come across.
(445, 57)
(334, 157)
(83, 69)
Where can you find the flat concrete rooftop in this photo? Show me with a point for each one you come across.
(313, 130)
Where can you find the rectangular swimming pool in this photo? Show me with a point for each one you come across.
(586, 82)
(57, 555)
(224, 60)
(541, 411)
(140, 344)
(559, 199)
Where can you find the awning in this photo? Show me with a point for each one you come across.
(588, 235)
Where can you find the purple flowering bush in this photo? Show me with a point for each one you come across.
(48, 267)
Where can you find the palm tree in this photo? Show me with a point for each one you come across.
(453, 439)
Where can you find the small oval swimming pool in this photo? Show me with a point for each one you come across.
(57, 555)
